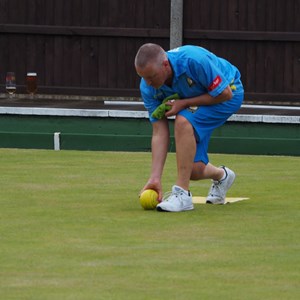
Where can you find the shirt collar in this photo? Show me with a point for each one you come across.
(177, 66)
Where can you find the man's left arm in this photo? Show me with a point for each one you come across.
(202, 100)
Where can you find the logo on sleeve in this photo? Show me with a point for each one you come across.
(215, 83)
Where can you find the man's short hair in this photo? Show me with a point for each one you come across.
(149, 53)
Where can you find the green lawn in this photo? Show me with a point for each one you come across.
(71, 227)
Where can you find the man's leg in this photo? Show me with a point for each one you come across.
(206, 171)
(181, 199)
(205, 119)
(185, 151)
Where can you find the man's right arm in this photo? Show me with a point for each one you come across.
(160, 145)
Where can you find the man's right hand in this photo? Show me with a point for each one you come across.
(154, 185)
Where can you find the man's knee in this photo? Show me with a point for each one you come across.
(182, 124)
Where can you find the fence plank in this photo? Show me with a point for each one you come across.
(88, 46)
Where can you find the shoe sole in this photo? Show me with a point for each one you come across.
(163, 210)
(215, 203)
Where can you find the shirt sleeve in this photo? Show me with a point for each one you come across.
(209, 75)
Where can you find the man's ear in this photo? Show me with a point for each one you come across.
(165, 63)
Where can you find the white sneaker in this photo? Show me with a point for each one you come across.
(218, 189)
(176, 201)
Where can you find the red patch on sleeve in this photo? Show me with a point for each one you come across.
(215, 83)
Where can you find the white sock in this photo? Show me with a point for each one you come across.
(224, 176)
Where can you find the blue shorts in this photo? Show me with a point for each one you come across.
(205, 119)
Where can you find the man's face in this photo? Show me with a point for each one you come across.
(154, 75)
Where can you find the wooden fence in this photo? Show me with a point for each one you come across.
(87, 47)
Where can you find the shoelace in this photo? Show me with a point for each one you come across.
(215, 186)
(168, 194)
